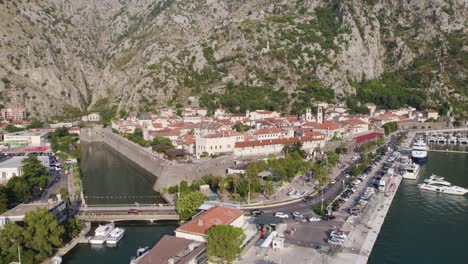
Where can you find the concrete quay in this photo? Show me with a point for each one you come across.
(364, 229)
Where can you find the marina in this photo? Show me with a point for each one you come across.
(423, 211)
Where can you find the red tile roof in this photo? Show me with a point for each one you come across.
(218, 215)
(354, 121)
(172, 247)
(272, 130)
(327, 125)
(367, 137)
(278, 141)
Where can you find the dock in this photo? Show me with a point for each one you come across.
(364, 229)
(447, 151)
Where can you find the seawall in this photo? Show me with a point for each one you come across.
(168, 173)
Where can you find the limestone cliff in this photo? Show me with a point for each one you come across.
(63, 56)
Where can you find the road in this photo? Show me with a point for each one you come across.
(58, 180)
(329, 192)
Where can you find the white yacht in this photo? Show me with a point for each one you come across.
(101, 233)
(431, 139)
(411, 171)
(419, 152)
(463, 140)
(115, 235)
(443, 188)
(452, 140)
(434, 179)
(442, 140)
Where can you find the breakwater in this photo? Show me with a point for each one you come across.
(168, 172)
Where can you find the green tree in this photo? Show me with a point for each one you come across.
(223, 184)
(11, 237)
(72, 228)
(42, 233)
(269, 188)
(19, 189)
(12, 129)
(65, 195)
(161, 144)
(35, 173)
(188, 204)
(35, 124)
(224, 243)
(3, 200)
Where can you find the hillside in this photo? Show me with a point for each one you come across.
(62, 57)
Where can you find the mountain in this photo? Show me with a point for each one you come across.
(61, 57)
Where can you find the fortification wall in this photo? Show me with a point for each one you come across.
(168, 173)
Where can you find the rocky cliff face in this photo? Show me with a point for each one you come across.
(63, 56)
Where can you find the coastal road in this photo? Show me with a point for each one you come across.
(329, 192)
(57, 181)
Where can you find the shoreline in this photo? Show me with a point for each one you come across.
(364, 229)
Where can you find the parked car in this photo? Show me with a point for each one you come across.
(296, 214)
(256, 212)
(300, 219)
(281, 215)
(307, 198)
(132, 211)
(328, 217)
(314, 219)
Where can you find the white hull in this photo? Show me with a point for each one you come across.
(444, 189)
(115, 236)
(419, 154)
(97, 240)
(101, 233)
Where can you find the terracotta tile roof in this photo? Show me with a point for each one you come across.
(278, 141)
(272, 130)
(223, 134)
(165, 133)
(367, 137)
(172, 247)
(218, 215)
(328, 125)
(354, 121)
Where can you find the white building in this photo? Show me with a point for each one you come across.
(262, 114)
(93, 117)
(13, 167)
(26, 138)
(271, 133)
(217, 143)
(275, 146)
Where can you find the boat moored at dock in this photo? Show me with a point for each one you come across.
(411, 171)
(419, 152)
(101, 233)
(115, 235)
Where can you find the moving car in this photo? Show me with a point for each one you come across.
(314, 219)
(132, 211)
(296, 214)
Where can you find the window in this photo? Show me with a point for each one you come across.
(3, 175)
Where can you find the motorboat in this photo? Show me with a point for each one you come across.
(452, 189)
(115, 235)
(431, 139)
(463, 140)
(434, 179)
(419, 151)
(101, 233)
(442, 140)
(56, 260)
(139, 254)
(411, 171)
(452, 140)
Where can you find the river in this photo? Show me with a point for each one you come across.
(423, 226)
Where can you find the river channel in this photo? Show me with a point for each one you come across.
(424, 226)
(110, 178)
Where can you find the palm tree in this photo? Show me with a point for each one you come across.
(269, 188)
(223, 184)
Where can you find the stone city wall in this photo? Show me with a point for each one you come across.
(168, 173)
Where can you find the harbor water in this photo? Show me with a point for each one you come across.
(137, 234)
(423, 226)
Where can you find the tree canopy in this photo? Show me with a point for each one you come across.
(38, 239)
(224, 242)
(188, 204)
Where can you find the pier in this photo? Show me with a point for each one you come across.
(364, 229)
(447, 151)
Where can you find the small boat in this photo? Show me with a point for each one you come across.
(452, 140)
(115, 235)
(101, 233)
(411, 171)
(56, 260)
(442, 140)
(463, 140)
(140, 253)
(457, 190)
(431, 139)
(437, 180)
